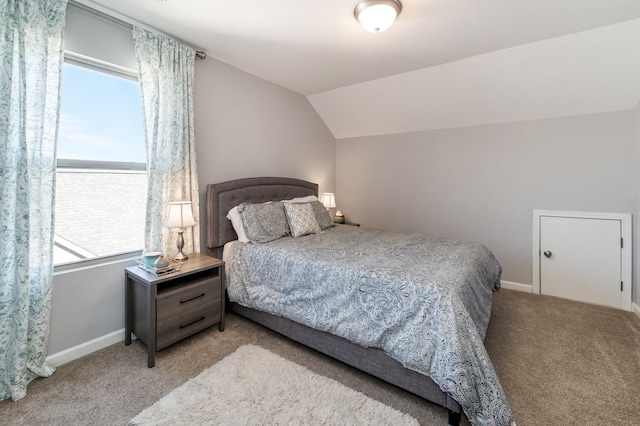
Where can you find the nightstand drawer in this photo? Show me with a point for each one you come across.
(187, 322)
(184, 298)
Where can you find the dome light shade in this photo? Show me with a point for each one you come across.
(376, 16)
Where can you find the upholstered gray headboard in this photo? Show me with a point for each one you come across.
(222, 197)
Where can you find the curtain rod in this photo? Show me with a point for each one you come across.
(199, 53)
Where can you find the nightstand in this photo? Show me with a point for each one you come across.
(164, 309)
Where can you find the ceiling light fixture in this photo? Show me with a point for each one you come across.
(376, 16)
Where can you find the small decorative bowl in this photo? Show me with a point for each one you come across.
(161, 263)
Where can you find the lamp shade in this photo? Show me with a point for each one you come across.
(180, 215)
(377, 16)
(328, 200)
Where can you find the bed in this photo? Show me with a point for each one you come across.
(464, 372)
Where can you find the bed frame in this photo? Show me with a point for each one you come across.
(220, 198)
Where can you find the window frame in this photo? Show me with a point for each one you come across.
(100, 66)
(74, 164)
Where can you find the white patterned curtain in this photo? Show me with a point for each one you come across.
(166, 73)
(31, 55)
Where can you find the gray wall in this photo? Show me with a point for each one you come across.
(248, 127)
(482, 183)
(86, 304)
(245, 127)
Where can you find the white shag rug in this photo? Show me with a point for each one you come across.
(253, 386)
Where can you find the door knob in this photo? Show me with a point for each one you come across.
(547, 253)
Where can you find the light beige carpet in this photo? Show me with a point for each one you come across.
(561, 363)
(254, 386)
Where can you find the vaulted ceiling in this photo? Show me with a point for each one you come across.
(444, 63)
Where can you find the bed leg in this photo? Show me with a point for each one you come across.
(454, 418)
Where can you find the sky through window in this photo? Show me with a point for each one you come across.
(100, 117)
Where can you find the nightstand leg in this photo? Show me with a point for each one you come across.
(128, 311)
(223, 291)
(151, 358)
(151, 345)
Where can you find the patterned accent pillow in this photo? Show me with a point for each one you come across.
(322, 215)
(264, 222)
(302, 220)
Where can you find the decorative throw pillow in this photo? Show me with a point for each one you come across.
(264, 222)
(322, 215)
(302, 220)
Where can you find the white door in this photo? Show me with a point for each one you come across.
(580, 259)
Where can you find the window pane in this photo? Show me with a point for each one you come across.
(99, 212)
(100, 117)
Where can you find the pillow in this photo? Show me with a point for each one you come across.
(307, 199)
(236, 222)
(302, 220)
(264, 222)
(322, 215)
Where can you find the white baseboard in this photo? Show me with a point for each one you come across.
(509, 285)
(86, 348)
(636, 309)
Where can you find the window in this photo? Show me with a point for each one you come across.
(101, 175)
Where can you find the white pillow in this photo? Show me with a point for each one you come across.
(302, 219)
(236, 222)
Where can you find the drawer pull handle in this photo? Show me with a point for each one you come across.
(193, 298)
(191, 323)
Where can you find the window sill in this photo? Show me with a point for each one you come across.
(95, 262)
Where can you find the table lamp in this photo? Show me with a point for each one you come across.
(328, 200)
(180, 216)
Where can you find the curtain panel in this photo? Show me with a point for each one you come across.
(31, 55)
(166, 73)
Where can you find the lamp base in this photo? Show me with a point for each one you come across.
(180, 257)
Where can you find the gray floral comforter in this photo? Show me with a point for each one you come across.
(425, 301)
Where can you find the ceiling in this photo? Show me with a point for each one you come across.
(313, 46)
